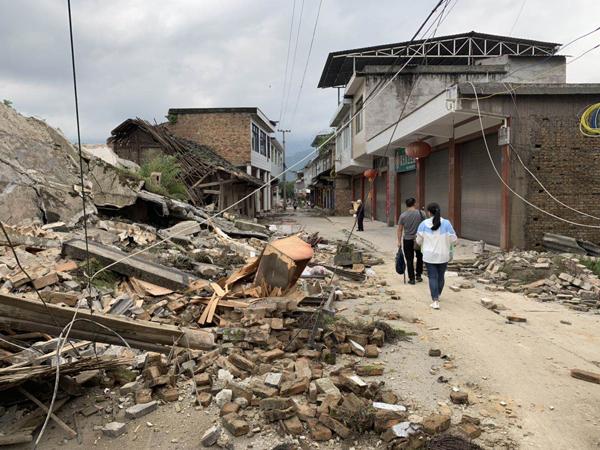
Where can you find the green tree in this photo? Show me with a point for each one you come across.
(170, 183)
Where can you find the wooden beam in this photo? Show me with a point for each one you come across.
(211, 191)
(72, 433)
(214, 183)
(138, 267)
(31, 315)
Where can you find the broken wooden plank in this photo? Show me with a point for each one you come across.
(149, 288)
(31, 315)
(72, 433)
(20, 437)
(134, 266)
(585, 375)
(10, 377)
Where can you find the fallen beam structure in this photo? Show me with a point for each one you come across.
(136, 267)
(31, 315)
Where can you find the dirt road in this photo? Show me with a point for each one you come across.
(518, 374)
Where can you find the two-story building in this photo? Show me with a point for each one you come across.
(328, 189)
(243, 136)
(528, 82)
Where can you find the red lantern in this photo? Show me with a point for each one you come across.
(418, 149)
(371, 174)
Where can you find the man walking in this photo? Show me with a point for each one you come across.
(408, 224)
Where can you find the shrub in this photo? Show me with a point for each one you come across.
(170, 183)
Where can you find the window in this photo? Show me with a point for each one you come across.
(346, 137)
(269, 145)
(254, 138)
(263, 143)
(358, 120)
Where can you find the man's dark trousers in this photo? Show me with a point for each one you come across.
(409, 254)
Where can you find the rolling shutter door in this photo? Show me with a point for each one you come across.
(357, 191)
(381, 197)
(368, 197)
(436, 180)
(480, 191)
(408, 187)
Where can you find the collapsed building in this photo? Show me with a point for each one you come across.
(209, 178)
(158, 302)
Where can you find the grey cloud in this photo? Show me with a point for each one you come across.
(140, 57)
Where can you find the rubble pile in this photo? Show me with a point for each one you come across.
(164, 303)
(539, 275)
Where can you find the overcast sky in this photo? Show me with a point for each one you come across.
(141, 57)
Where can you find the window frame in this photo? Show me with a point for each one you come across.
(358, 119)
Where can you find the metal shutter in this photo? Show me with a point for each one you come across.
(408, 187)
(381, 197)
(357, 191)
(436, 180)
(368, 197)
(480, 191)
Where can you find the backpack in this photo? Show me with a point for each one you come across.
(400, 263)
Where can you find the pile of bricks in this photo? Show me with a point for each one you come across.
(542, 276)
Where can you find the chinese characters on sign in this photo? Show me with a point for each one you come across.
(404, 163)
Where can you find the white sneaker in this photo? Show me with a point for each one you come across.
(435, 305)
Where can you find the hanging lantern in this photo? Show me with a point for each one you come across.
(371, 174)
(418, 149)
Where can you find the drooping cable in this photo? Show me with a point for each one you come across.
(287, 60)
(293, 67)
(517, 18)
(312, 41)
(83, 196)
(249, 195)
(516, 194)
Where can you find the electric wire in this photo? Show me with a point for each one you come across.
(312, 41)
(516, 194)
(517, 18)
(309, 155)
(18, 261)
(287, 60)
(589, 124)
(83, 196)
(289, 91)
(414, 82)
(518, 156)
(61, 341)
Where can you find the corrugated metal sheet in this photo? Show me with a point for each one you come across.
(381, 197)
(480, 191)
(436, 180)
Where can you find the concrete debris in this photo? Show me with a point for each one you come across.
(214, 317)
(545, 277)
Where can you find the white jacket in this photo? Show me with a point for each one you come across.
(436, 245)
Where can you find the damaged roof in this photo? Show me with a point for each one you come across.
(457, 49)
(201, 157)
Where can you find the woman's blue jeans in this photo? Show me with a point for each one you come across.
(435, 274)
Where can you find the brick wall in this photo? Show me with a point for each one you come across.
(343, 195)
(566, 162)
(226, 133)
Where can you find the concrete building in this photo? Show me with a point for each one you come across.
(319, 174)
(433, 66)
(243, 136)
(525, 74)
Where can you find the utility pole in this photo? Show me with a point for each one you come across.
(284, 168)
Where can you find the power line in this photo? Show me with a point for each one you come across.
(312, 40)
(309, 155)
(415, 80)
(516, 194)
(517, 18)
(287, 97)
(287, 60)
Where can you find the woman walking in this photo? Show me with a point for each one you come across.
(436, 237)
